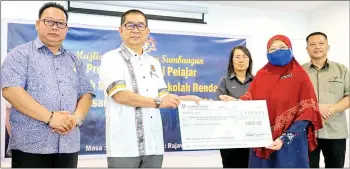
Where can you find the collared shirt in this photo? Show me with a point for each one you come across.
(331, 84)
(130, 131)
(54, 81)
(230, 85)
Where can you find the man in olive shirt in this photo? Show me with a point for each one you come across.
(331, 84)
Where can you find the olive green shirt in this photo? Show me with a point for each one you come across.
(331, 84)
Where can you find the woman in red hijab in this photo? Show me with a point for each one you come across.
(292, 105)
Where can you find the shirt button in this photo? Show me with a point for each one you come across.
(143, 76)
(59, 81)
(56, 68)
(151, 117)
(62, 94)
(146, 89)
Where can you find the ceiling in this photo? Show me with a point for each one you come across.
(297, 6)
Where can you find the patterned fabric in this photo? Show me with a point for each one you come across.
(116, 85)
(292, 112)
(54, 81)
(163, 92)
(293, 153)
(273, 84)
(287, 138)
(121, 137)
(138, 111)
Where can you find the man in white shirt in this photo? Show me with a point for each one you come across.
(135, 90)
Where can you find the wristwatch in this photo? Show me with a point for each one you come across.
(158, 101)
(51, 116)
(79, 121)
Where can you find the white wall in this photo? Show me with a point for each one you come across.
(334, 21)
(254, 24)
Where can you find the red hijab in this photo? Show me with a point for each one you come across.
(289, 95)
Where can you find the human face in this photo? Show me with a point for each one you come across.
(317, 47)
(52, 27)
(240, 61)
(134, 30)
(276, 45)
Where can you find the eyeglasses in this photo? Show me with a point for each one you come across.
(50, 22)
(131, 26)
(273, 49)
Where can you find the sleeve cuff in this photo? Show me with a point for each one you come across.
(12, 84)
(162, 92)
(88, 92)
(115, 87)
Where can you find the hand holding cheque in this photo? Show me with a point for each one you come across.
(220, 124)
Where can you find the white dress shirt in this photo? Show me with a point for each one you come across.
(131, 132)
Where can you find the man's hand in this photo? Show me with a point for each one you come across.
(326, 111)
(191, 98)
(170, 101)
(227, 98)
(71, 122)
(61, 121)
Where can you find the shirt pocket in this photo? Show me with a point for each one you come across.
(336, 85)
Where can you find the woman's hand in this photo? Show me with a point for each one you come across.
(276, 145)
(227, 98)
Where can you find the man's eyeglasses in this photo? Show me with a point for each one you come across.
(50, 22)
(131, 26)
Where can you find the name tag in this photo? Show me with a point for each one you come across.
(153, 74)
(286, 76)
(153, 71)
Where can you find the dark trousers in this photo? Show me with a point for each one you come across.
(333, 151)
(235, 158)
(27, 160)
(7, 138)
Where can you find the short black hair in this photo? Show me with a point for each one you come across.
(231, 69)
(54, 5)
(133, 11)
(315, 33)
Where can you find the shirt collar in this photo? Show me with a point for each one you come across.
(129, 53)
(326, 66)
(38, 45)
(248, 76)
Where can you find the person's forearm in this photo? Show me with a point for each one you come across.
(83, 106)
(134, 100)
(25, 104)
(341, 105)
